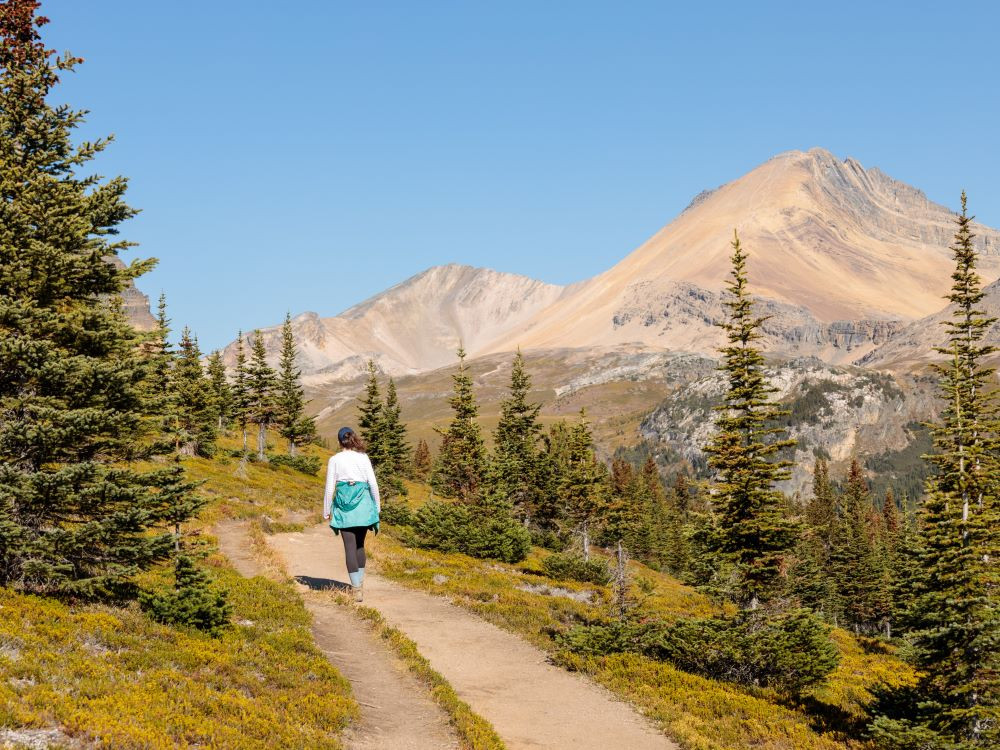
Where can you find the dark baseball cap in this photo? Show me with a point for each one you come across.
(343, 433)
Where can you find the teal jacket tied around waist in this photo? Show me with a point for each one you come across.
(353, 505)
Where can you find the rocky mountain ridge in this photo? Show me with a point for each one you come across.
(841, 259)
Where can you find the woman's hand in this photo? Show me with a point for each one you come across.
(326, 517)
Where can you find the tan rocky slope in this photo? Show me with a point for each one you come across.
(416, 325)
(849, 246)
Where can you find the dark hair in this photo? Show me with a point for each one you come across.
(351, 441)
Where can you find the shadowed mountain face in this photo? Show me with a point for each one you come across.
(913, 347)
(841, 258)
(134, 302)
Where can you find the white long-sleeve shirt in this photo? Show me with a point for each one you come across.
(349, 466)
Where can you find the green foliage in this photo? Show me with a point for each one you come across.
(370, 417)
(395, 448)
(193, 601)
(790, 653)
(582, 488)
(222, 393)
(289, 398)
(573, 567)
(396, 513)
(461, 463)
(954, 611)
(754, 530)
(516, 441)
(457, 527)
(261, 390)
(306, 464)
(194, 413)
(241, 391)
(76, 517)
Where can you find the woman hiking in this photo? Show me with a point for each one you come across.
(352, 490)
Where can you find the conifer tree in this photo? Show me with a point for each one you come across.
(461, 463)
(813, 583)
(160, 357)
(290, 416)
(194, 411)
(955, 610)
(516, 441)
(853, 558)
(395, 447)
(76, 518)
(755, 533)
(241, 393)
(422, 462)
(370, 417)
(553, 463)
(583, 488)
(222, 393)
(261, 387)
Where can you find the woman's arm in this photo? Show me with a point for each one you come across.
(331, 486)
(373, 483)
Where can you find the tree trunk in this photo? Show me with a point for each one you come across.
(291, 447)
(244, 438)
(261, 441)
(586, 542)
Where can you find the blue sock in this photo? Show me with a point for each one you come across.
(361, 572)
(355, 578)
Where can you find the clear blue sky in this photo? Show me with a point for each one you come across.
(305, 155)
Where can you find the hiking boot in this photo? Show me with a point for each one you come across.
(359, 594)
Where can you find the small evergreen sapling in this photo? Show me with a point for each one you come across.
(193, 601)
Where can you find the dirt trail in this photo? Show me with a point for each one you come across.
(396, 711)
(507, 681)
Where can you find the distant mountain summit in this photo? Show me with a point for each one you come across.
(416, 325)
(840, 244)
(841, 258)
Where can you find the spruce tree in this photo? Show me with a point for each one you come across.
(461, 463)
(194, 414)
(370, 418)
(549, 510)
(261, 388)
(955, 611)
(755, 532)
(76, 517)
(516, 441)
(241, 393)
(422, 461)
(221, 390)
(290, 416)
(395, 447)
(813, 582)
(160, 358)
(583, 489)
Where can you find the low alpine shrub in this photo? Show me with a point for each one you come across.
(567, 566)
(396, 513)
(454, 527)
(306, 464)
(789, 652)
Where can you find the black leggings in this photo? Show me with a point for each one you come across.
(354, 547)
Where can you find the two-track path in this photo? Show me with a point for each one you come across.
(396, 710)
(509, 682)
